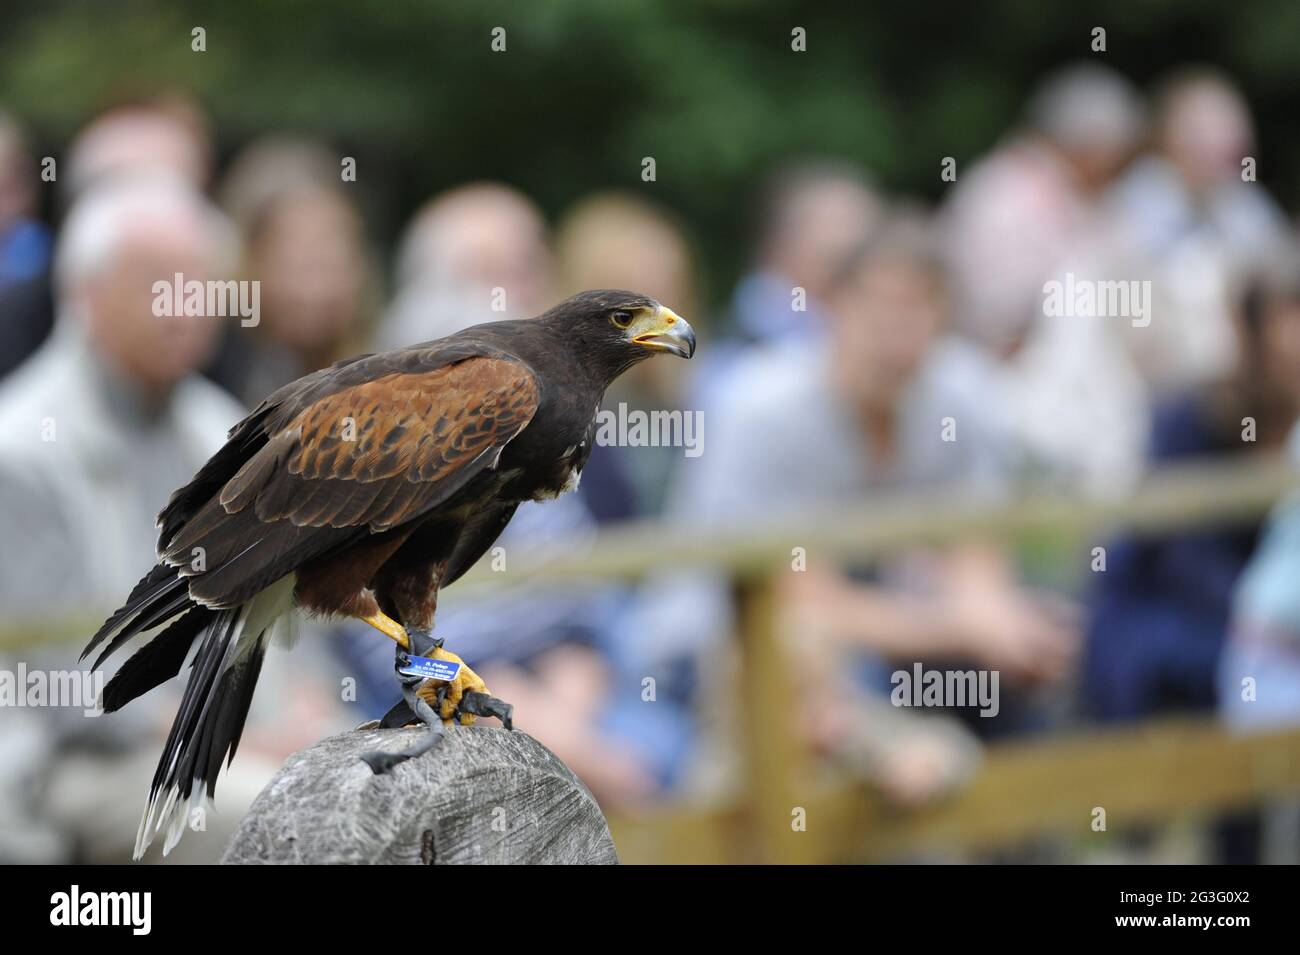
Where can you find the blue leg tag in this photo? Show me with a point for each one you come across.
(431, 669)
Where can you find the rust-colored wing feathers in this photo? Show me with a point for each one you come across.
(401, 437)
(362, 459)
(422, 426)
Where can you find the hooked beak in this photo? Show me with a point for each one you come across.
(664, 330)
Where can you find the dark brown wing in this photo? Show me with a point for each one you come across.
(355, 461)
(280, 409)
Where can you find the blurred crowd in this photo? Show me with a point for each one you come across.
(874, 346)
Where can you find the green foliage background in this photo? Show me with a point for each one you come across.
(709, 88)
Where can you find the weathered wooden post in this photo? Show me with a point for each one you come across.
(484, 795)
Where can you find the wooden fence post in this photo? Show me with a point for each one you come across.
(778, 785)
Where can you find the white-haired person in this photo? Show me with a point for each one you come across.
(96, 429)
(160, 135)
(109, 416)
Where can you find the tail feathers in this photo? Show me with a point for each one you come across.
(231, 643)
(157, 661)
(223, 727)
(173, 780)
(210, 722)
(157, 589)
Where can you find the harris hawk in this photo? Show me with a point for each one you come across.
(359, 491)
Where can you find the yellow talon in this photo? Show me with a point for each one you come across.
(466, 680)
(389, 628)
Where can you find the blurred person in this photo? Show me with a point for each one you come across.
(1018, 211)
(1259, 676)
(1070, 401)
(166, 133)
(110, 402)
(26, 314)
(619, 240)
(158, 135)
(477, 253)
(1159, 615)
(1199, 226)
(1258, 679)
(24, 242)
(803, 430)
(894, 376)
(95, 431)
(810, 216)
(1259, 673)
(304, 243)
(1178, 232)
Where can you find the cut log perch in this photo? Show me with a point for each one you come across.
(484, 795)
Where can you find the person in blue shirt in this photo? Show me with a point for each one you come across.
(1160, 611)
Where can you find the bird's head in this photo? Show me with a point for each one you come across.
(613, 330)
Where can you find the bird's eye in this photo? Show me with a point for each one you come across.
(621, 318)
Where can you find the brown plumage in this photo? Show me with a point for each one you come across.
(359, 491)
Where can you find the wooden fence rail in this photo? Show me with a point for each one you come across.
(1050, 786)
(1023, 789)
(1195, 494)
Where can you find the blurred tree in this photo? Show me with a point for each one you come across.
(585, 90)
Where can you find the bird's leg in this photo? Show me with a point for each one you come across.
(420, 642)
(464, 697)
(388, 627)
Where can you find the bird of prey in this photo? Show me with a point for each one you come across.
(359, 491)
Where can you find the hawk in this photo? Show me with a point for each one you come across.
(360, 491)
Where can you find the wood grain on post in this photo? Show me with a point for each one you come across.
(484, 795)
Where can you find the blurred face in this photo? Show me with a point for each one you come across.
(141, 139)
(1097, 164)
(822, 225)
(884, 321)
(155, 352)
(310, 260)
(624, 252)
(1207, 133)
(492, 242)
